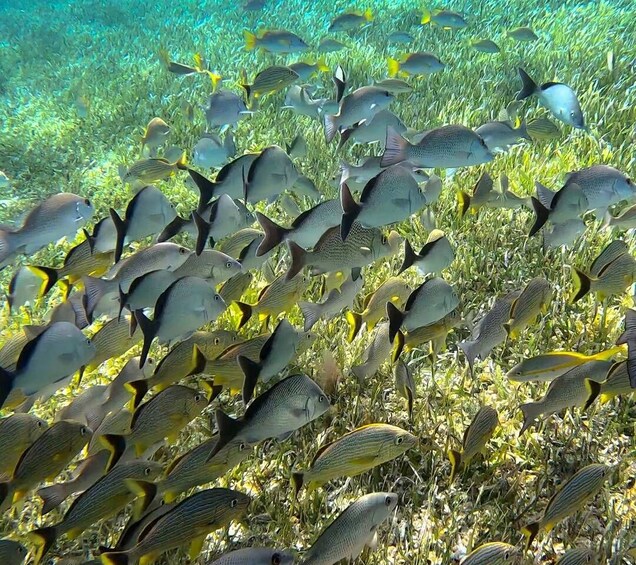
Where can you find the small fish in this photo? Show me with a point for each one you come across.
(405, 385)
(393, 289)
(47, 361)
(234, 288)
(522, 34)
(102, 500)
(112, 341)
(305, 230)
(583, 486)
(428, 303)
(104, 235)
(351, 21)
(185, 306)
(299, 100)
(394, 85)
(297, 149)
(444, 19)
(563, 234)
(59, 216)
(390, 197)
(190, 521)
(353, 530)
(277, 352)
(155, 135)
(255, 556)
(224, 108)
(281, 410)
(490, 332)
(567, 204)
(611, 280)
(362, 247)
(492, 553)
(436, 255)
(419, 63)
(47, 456)
(5, 182)
(546, 367)
(306, 71)
(485, 46)
(278, 297)
(557, 97)
(436, 333)
(361, 104)
(534, 299)
(17, 433)
(501, 135)
(373, 130)
(271, 79)
(400, 37)
(543, 129)
(78, 408)
(147, 171)
(274, 41)
(212, 152)
(12, 552)
(445, 147)
(336, 301)
(328, 45)
(617, 383)
(24, 288)
(271, 173)
(145, 290)
(477, 435)
(578, 387)
(212, 265)
(376, 353)
(578, 556)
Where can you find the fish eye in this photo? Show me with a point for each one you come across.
(234, 503)
(276, 559)
(183, 250)
(217, 297)
(399, 440)
(217, 340)
(87, 202)
(388, 501)
(88, 340)
(507, 555)
(150, 361)
(197, 397)
(242, 446)
(40, 424)
(322, 398)
(83, 430)
(147, 471)
(384, 240)
(228, 265)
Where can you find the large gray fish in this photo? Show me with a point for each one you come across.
(373, 130)
(186, 305)
(434, 257)
(305, 230)
(443, 147)
(224, 108)
(78, 408)
(362, 247)
(427, 304)
(255, 556)
(147, 213)
(229, 180)
(390, 197)
(102, 294)
(17, 433)
(284, 408)
(271, 173)
(559, 207)
(104, 235)
(557, 97)
(46, 361)
(211, 151)
(25, 287)
(60, 215)
(362, 104)
(212, 265)
(353, 530)
(145, 290)
(603, 186)
(190, 521)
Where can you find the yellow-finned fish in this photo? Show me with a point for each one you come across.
(493, 553)
(147, 171)
(155, 135)
(547, 366)
(393, 290)
(534, 299)
(543, 129)
(445, 19)
(579, 556)
(235, 287)
(436, 333)
(190, 521)
(583, 486)
(44, 459)
(578, 387)
(617, 383)
(350, 21)
(17, 433)
(378, 351)
(354, 453)
(476, 436)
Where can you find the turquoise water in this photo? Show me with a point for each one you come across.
(79, 82)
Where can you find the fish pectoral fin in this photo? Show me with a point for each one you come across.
(373, 541)
(196, 546)
(365, 250)
(367, 461)
(74, 533)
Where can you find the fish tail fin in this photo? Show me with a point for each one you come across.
(297, 480)
(215, 79)
(248, 92)
(6, 384)
(49, 278)
(43, 538)
(139, 389)
(409, 256)
(114, 558)
(594, 389)
(121, 226)
(94, 290)
(396, 148)
(199, 361)
(355, 323)
(116, 444)
(397, 349)
(145, 492)
(582, 284)
(393, 66)
(528, 86)
(228, 428)
(396, 317)
(182, 162)
(426, 17)
(203, 232)
(149, 329)
(455, 458)
(251, 370)
(322, 66)
(298, 259)
(530, 412)
(331, 127)
(368, 15)
(274, 234)
(311, 313)
(522, 131)
(463, 200)
(246, 313)
(207, 188)
(172, 229)
(470, 352)
(530, 531)
(52, 497)
(542, 214)
(250, 40)
(351, 210)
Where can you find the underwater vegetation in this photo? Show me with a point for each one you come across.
(100, 99)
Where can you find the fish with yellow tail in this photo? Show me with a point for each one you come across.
(534, 299)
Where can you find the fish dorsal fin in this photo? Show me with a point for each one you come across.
(544, 195)
(549, 84)
(413, 296)
(483, 186)
(268, 346)
(613, 250)
(607, 266)
(321, 450)
(28, 351)
(368, 188)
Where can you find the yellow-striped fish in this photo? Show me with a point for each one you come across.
(354, 453)
(583, 486)
(436, 333)
(147, 171)
(476, 436)
(616, 383)
(579, 556)
(493, 553)
(17, 433)
(534, 299)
